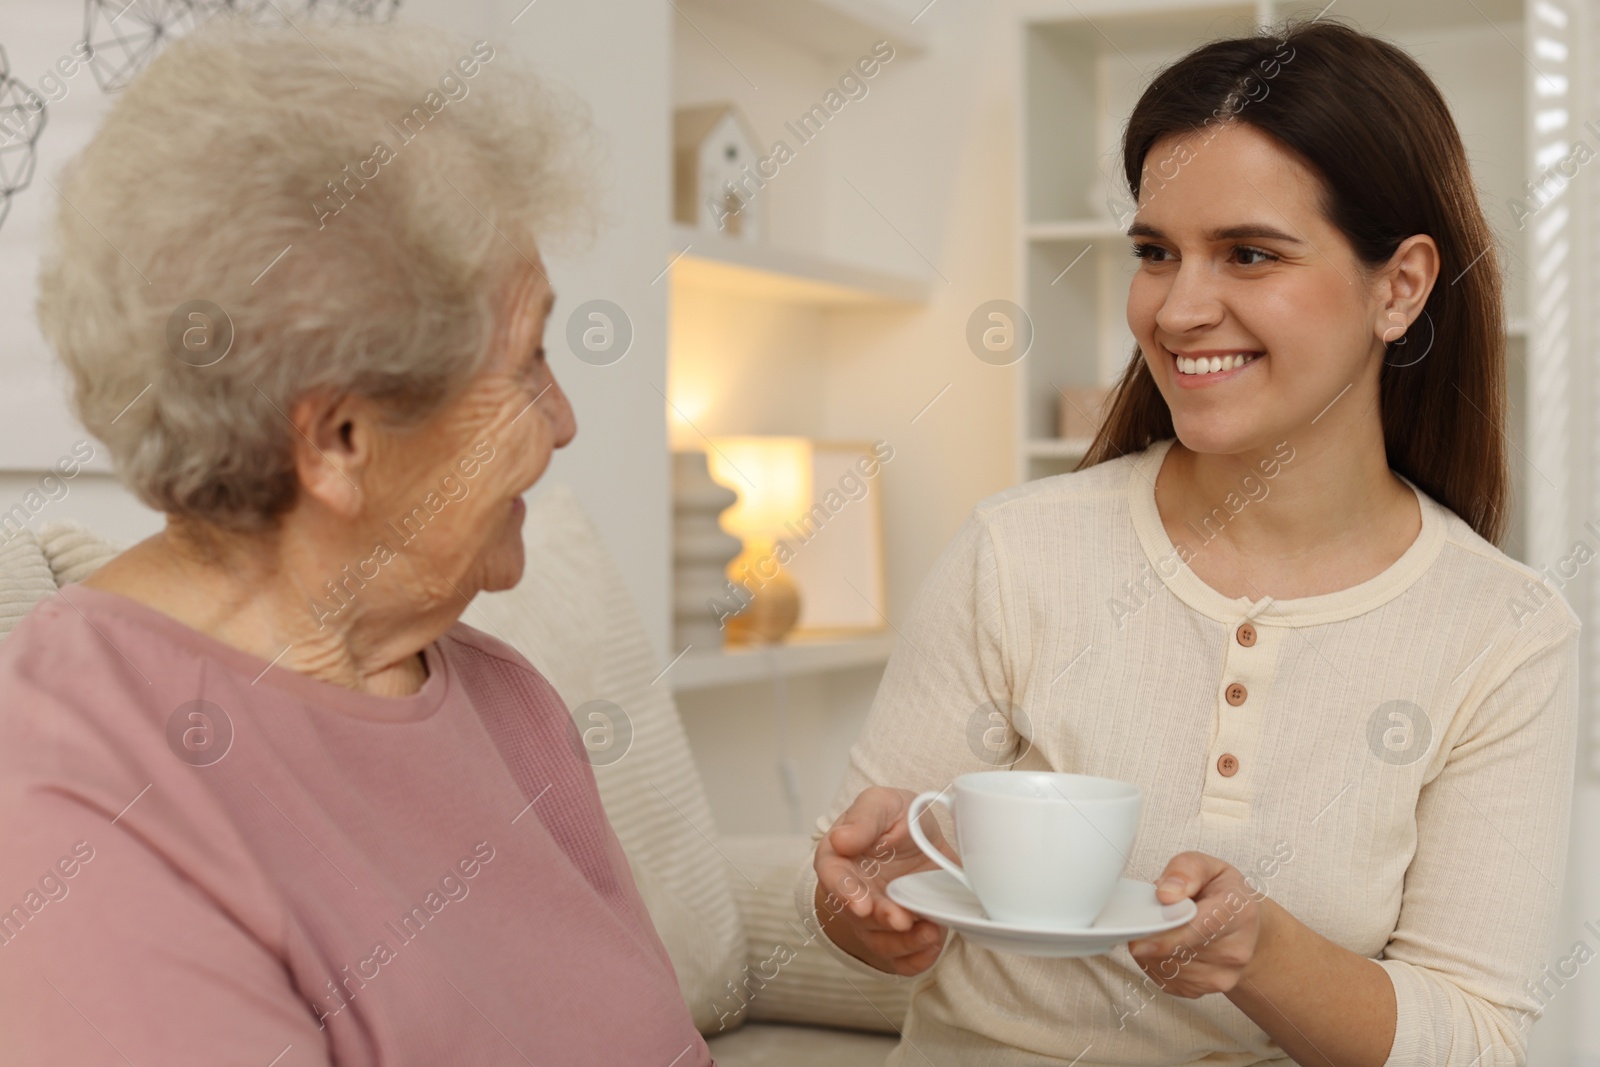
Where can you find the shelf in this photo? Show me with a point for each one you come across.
(835, 29)
(1388, 18)
(1057, 447)
(753, 270)
(1075, 230)
(759, 663)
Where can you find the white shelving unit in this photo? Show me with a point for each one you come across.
(757, 313)
(831, 28)
(710, 261)
(737, 270)
(1071, 448)
(1083, 67)
(762, 663)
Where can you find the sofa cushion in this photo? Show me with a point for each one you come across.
(788, 976)
(572, 617)
(775, 1045)
(33, 564)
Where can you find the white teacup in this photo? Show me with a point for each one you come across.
(1038, 848)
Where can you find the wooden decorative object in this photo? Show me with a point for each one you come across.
(773, 610)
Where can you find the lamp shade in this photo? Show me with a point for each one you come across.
(772, 476)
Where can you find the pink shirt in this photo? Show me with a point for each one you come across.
(294, 873)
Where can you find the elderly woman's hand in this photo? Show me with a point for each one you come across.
(1222, 945)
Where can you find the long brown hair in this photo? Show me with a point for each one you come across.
(1371, 123)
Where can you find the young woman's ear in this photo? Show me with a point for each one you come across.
(1406, 283)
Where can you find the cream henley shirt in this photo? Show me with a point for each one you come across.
(1407, 743)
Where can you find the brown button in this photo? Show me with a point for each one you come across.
(1236, 694)
(1227, 765)
(1246, 634)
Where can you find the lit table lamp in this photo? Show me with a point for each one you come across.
(772, 476)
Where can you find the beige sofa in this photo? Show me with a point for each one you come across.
(757, 984)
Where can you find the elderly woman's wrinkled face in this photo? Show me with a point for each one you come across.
(459, 479)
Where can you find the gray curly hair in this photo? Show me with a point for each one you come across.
(347, 195)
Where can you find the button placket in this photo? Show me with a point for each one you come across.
(1249, 654)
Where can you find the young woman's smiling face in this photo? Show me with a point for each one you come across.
(1240, 268)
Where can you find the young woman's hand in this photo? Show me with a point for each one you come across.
(1222, 944)
(868, 847)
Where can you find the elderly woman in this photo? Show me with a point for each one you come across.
(264, 800)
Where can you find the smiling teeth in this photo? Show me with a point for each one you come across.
(1215, 364)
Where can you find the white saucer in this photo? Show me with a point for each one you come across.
(1131, 913)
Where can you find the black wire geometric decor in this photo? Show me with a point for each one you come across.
(125, 35)
(22, 119)
(122, 37)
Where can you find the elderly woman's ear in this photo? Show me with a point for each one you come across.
(334, 450)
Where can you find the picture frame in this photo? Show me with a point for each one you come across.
(837, 551)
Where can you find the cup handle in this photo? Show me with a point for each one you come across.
(913, 816)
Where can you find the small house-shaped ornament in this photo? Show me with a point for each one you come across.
(715, 182)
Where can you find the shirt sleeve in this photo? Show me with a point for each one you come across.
(1482, 894)
(109, 955)
(944, 705)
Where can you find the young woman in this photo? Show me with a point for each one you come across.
(1271, 597)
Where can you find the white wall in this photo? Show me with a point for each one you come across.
(936, 157)
(93, 498)
(617, 57)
